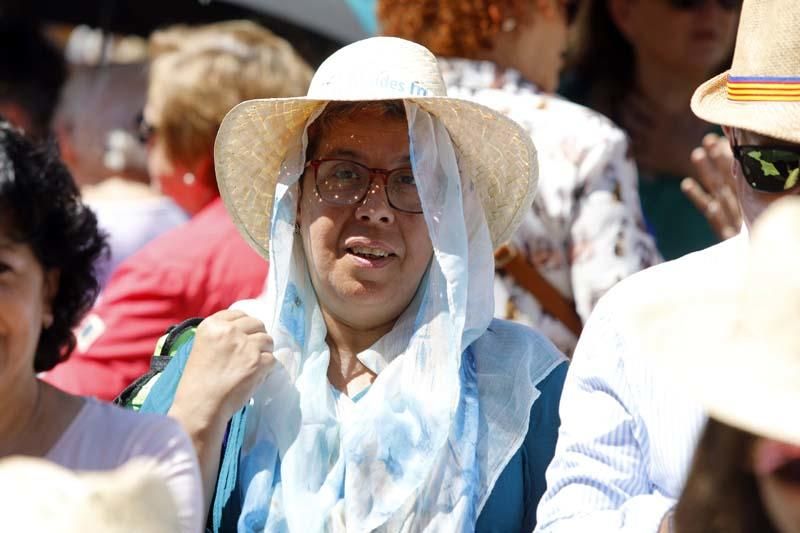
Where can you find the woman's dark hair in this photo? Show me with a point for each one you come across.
(721, 493)
(602, 57)
(41, 207)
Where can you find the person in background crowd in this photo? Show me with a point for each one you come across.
(713, 190)
(107, 160)
(32, 71)
(384, 395)
(627, 436)
(49, 242)
(637, 62)
(585, 231)
(197, 75)
(745, 474)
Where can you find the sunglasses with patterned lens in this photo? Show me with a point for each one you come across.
(769, 169)
(345, 182)
(686, 5)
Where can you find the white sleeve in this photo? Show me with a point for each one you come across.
(167, 443)
(599, 477)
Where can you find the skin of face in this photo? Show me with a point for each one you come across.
(781, 499)
(170, 177)
(536, 47)
(26, 293)
(695, 41)
(352, 291)
(753, 202)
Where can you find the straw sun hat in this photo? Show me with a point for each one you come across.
(761, 91)
(493, 152)
(736, 345)
(38, 496)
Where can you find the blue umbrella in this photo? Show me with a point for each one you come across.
(343, 20)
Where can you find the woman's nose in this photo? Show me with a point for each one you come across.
(375, 205)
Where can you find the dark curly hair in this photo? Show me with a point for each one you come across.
(41, 207)
(450, 28)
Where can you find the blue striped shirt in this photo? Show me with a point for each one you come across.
(627, 434)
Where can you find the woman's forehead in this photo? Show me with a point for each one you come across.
(364, 133)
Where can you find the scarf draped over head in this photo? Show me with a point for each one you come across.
(422, 448)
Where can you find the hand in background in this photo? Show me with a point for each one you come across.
(712, 190)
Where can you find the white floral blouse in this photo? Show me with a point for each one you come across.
(585, 231)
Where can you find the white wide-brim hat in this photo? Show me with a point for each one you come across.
(761, 91)
(37, 495)
(736, 345)
(494, 152)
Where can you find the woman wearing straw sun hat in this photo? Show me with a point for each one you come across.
(746, 471)
(627, 467)
(381, 394)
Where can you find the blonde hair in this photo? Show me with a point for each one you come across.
(199, 73)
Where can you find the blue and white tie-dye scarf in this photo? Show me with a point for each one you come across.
(421, 450)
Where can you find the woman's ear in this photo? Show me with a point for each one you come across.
(620, 13)
(52, 279)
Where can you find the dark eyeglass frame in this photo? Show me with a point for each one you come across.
(384, 172)
(686, 5)
(760, 182)
(144, 130)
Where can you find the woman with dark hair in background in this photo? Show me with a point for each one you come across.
(49, 243)
(638, 62)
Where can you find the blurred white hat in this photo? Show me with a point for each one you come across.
(37, 495)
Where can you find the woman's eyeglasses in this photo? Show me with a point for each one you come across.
(144, 129)
(686, 5)
(769, 169)
(345, 182)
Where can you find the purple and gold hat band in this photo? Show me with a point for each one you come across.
(764, 89)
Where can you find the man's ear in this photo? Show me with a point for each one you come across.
(620, 13)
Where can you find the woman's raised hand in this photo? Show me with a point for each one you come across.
(231, 355)
(713, 190)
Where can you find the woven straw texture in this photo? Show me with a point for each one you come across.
(494, 152)
(767, 45)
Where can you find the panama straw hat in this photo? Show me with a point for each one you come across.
(38, 496)
(761, 91)
(493, 151)
(736, 346)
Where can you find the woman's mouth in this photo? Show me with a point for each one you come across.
(777, 459)
(789, 472)
(370, 257)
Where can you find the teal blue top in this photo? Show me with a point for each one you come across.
(678, 227)
(512, 504)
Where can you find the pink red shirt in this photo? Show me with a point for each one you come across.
(194, 270)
